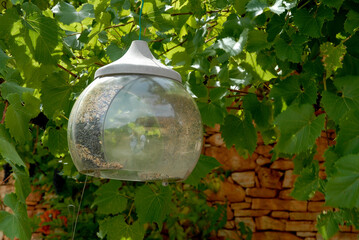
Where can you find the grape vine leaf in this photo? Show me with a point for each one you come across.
(342, 187)
(298, 128)
(338, 106)
(262, 112)
(275, 26)
(117, 229)
(153, 205)
(22, 183)
(257, 6)
(332, 57)
(331, 158)
(255, 69)
(44, 37)
(311, 23)
(348, 137)
(307, 183)
(240, 132)
(290, 50)
(333, 3)
(204, 166)
(303, 160)
(211, 113)
(3, 59)
(327, 224)
(295, 90)
(17, 224)
(352, 22)
(57, 140)
(257, 41)
(108, 198)
(67, 13)
(56, 94)
(8, 88)
(8, 151)
(18, 115)
(231, 46)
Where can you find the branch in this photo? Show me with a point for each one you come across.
(119, 25)
(4, 112)
(68, 71)
(180, 44)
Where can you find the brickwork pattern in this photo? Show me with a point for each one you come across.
(258, 193)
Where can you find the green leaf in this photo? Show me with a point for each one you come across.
(257, 6)
(333, 3)
(3, 59)
(327, 224)
(298, 128)
(114, 52)
(217, 93)
(22, 183)
(109, 199)
(67, 13)
(261, 112)
(231, 46)
(197, 87)
(211, 113)
(332, 57)
(308, 23)
(352, 22)
(56, 94)
(343, 187)
(153, 205)
(348, 137)
(295, 90)
(204, 166)
(257, 41)
(17, 224)
(240, 132)
(275, 26)
(331, 158)
(44, 36)
(307, 183)
(117, 229)
(18, 115)
(303, 160)
(8, 151)
(255, 69)
(57, 140)
(290, 50)
(8, 88)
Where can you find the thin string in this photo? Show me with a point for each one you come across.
(78, 211)
(140, 19)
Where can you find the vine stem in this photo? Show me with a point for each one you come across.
(4, 181)
(68, 71)
(180, 44)
(78, 211)
(4, 112)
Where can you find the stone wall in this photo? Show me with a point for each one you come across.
(258, 193)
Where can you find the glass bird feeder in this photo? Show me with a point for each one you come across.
(135, 122)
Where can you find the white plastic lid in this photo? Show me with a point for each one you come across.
(138, 60)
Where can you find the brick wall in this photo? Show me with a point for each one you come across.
(258, 193)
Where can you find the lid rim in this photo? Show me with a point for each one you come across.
(138, 60)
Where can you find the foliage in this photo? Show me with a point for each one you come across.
(284, 68)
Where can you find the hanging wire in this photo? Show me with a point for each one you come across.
(140, 19)
(78, 211)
